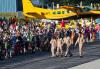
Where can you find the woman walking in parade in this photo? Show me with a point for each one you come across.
(72, 38)
(53, 46)
(59, 46)
(80, 42)
(67, 41)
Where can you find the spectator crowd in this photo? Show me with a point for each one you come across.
(21, 37)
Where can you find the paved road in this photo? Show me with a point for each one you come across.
(90, 65)
(91, 53)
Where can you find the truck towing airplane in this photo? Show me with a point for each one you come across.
(31, 11)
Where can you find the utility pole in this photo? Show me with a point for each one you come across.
(81, 4)
(91, 5)
(42, 2)
(53, 5)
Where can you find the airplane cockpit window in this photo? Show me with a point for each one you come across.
(63, 12)
(59, 12)
(67, 11)
(54, 12)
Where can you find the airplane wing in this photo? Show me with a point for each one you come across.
(34, 15)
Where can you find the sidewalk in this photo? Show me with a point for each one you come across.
(90, 65)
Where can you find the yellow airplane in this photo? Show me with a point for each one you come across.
(83, 11)
(29, 10)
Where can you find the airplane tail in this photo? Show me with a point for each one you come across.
(27, 6)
